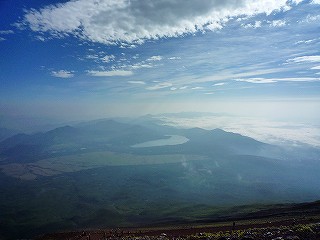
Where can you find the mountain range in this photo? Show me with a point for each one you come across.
(120, 173)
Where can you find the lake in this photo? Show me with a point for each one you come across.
(172, 140)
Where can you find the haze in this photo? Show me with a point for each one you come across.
(118, 113)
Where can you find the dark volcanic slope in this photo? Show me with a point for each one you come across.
(291, 222)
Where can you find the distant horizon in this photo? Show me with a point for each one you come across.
(272, 131)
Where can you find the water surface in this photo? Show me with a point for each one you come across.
(172, 140)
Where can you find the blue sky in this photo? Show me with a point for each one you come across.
(85, 59)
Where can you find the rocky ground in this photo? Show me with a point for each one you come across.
(309, 231)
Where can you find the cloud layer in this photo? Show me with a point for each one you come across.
(273, 132)
(303, 59)
(134, 21)
(113, 73)
(62, 74)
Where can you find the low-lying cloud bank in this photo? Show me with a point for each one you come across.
(274, 132)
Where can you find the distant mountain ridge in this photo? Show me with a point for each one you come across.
(104, 134)
(5, 133)
(117, 136)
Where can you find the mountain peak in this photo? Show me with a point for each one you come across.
(218, 130)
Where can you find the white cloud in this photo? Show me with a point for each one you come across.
(197, 88)
(278, 23)
(125, 45)
(239, 19)
(315, 68)
(160, 86)
(2, 39)
(62, 74)
(315, 58)
(183, 87)
(120, 73)
(310, 18)
(92, 56)
(40, 38)
(147, 63)
(127, 23)
(108, 58)
(273, 80)
(174, 58)
(315, 1)
(215, 26)
(137, 82)
(297, 1)
(257, 24)
(240, 73)
(5, 32)
(255, 80)
(219, 84)
(306, 41)
(141, 65)
(155, 58)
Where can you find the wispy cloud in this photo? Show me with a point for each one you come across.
(315, 68)
(126, 23)
(278, 23)
(227, 76)
(174, 58)
(5, 32)
(92, 56)
(197, 88)
(137, 82)
(256, 24)
(306, 41)
(183, 87)
(120, 73)
(148, 63)
(256, 80)
(108, 58)
(141, 65)
(297, 1)
(311, 18)
(62, 74)
(155, 58)
(315, 58)
(160, 86)
(273, 80)
(219, 84)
